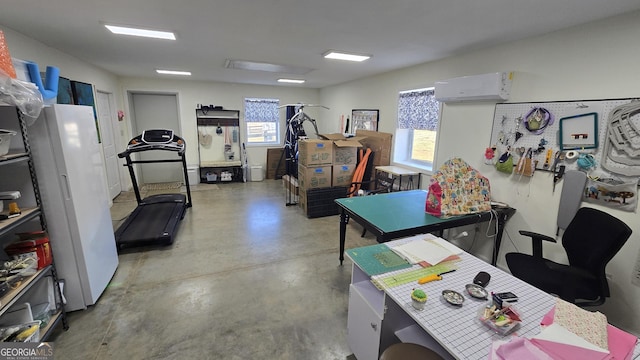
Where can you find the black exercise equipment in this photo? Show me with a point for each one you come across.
(155, 219)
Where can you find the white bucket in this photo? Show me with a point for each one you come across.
(256, 173)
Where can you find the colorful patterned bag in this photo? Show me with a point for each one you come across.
(457, 189)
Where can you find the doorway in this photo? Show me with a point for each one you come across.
(105, 110)
(156, 111)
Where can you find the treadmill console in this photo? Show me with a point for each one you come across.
(156, 139)
(158, 136)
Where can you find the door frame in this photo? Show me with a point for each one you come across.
(115, 134)
(132, 126)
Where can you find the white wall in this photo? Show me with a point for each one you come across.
(229, 96)
(26, 48)
(595, 61)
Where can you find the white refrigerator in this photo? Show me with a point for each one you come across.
(71, 178)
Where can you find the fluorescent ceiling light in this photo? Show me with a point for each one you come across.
(345, 56)
(173, 72)
(268, 67)
(121, 30)
(292, 81)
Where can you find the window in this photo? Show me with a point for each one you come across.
(418, 119)
(262, 120)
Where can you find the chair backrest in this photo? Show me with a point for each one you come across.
(592, 239)
(384, 183)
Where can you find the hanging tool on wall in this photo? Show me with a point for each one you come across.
(547, 159)
(557, 174)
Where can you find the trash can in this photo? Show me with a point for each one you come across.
(256, 173)
(194, 175)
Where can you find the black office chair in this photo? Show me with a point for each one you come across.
(591, 240)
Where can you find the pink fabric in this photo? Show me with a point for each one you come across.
(521, 349)
(568, 352)
(621, 343)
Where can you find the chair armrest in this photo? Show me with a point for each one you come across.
(534, 235)
(536, 241)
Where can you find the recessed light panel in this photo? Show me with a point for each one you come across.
(291, 81)
(268, 67)
(345, 56)
(121, 30)
(174, 72)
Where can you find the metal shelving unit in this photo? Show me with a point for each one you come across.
(26, 290)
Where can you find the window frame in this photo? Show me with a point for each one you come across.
(278, 136)
(404, 139)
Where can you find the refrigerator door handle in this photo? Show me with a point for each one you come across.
(65, 181)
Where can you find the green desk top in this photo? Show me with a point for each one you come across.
(394, 211)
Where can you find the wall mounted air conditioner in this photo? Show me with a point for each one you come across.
(493, 86)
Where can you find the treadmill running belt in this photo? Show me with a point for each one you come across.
(152, 224)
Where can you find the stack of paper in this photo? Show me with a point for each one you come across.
(563, 340)
(426, 248)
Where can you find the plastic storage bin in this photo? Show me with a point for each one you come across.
(37, 247)
(5, 140)
(256, 173)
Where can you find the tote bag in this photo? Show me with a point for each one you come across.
(612, 193)
(458, 189)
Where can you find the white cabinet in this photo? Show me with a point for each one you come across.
(366, 312)
(40, 291)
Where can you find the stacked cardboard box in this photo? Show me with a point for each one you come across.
(345, 158)
(326, 167)
(380, 144)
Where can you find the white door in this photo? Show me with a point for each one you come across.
(105, 121)
(156, 111)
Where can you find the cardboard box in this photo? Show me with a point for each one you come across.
(314, 177)
(345, 150)
(379, 143)
(315, 152)
(274, 156)
(342, 174)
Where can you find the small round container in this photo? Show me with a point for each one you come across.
(418, 299)
(453, 297)
(476, 291)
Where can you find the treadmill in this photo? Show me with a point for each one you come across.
(155, 220)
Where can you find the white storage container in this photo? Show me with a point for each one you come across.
(256, 173)
(194, 175)
(5, 140)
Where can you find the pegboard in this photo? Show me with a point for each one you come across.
(507, 122)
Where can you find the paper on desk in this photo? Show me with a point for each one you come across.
(556, 336)
(621, 343)
(422, 249)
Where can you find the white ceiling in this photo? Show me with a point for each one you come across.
(397, 33)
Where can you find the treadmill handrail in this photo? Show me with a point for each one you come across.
(148, 147)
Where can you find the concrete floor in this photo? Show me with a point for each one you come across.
(246, 278)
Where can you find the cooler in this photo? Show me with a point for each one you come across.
(36, 246)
